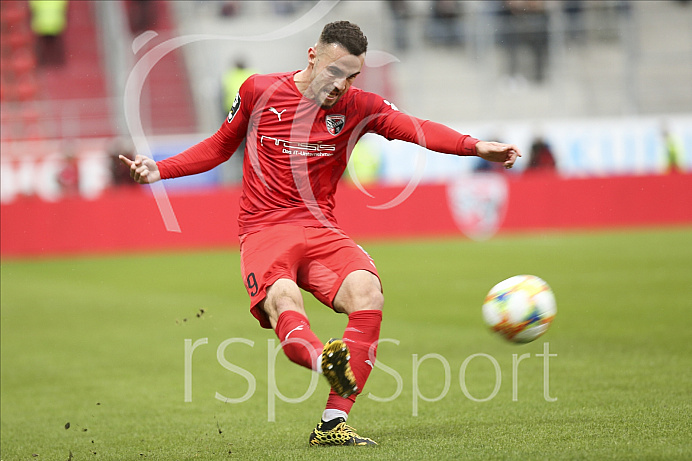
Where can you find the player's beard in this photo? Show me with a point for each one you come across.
(330, 98)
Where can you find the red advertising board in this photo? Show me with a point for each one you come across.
(476, 206)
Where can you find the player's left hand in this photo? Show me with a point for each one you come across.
(498, 152)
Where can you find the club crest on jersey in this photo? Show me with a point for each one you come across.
(335, 123)
(234, 108)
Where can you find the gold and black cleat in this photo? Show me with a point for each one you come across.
(336, 368)
(337, 433)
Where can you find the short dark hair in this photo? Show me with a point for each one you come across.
(346, 34)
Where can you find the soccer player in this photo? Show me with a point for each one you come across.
(300, 128)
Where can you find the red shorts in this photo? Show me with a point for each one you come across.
(317, 259)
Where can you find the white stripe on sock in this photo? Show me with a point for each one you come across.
(331, 413)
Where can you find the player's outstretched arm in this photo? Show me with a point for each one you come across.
(142, 169)
(498, 152)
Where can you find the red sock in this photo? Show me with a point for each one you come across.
(298, 341)
(361, 335)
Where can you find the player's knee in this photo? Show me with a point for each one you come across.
(375, 299)
(282, 296)
(367, 298)
(361, 290)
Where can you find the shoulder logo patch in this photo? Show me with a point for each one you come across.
(234, 108)
(335, 123)
(391, 104)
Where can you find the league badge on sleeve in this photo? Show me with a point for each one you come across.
(335, 123)
(391, 104)
(234, 108)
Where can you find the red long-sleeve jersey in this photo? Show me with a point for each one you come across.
(296, 151)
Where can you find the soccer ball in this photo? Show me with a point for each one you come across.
(520, 308)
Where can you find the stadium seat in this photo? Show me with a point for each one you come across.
(14, 14)
(27, 89)
(19, 38)
(23, 62)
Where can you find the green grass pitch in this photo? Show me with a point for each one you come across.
(94, 357)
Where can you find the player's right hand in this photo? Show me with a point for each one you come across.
(142, 169)
(498, 152)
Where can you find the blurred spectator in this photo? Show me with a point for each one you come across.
(236, 74)
(401, 15)
(68, 177)
(229, 8)
(120, 174)
(365, 163)
(541, 157)
(525, 25)
(484, 166)
(48, 22)
(141, 15)
(574, 12)
(231, 171)
(673, 151)
(284, 7)
(446, 23)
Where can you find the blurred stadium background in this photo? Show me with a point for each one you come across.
(588, 90)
